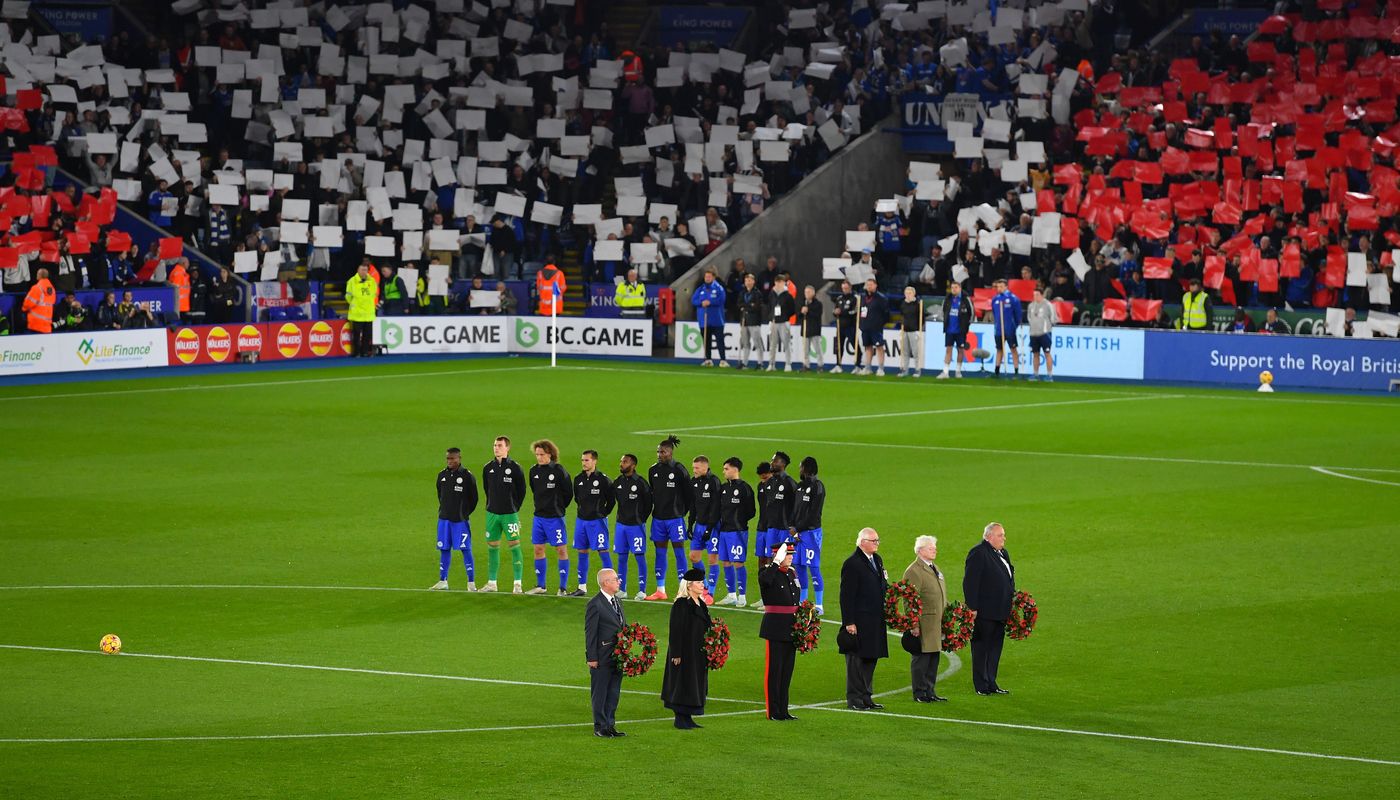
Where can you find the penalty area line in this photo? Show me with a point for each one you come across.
(1326, 471)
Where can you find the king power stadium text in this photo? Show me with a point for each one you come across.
(1316, 363)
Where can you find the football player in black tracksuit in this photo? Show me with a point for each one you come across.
(670, 503)
(633, 496)
(704, 519)
(736, 508)
(593, 497)
(554, 491)
(457, 498)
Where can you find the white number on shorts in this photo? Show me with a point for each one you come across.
(811, 554)
(513, 527)
(636, 543)
(736, 553)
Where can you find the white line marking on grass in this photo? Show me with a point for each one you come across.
(1123, 736)
(353, 734)
(505, 728)
(355, 670)
(293, 382)
(1325, 471)
(922, 413)
(1007, 452)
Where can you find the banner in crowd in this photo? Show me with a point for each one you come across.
(1306, 322)
(276, 294)
(86, 351)
(161, 298)
(1295, 361)
(264, 341)
(1077, 352)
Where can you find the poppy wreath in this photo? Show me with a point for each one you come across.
(717, 644)
(957, 626)
(806, 627)
(1023, 616)
(902, 593)
(635, 650)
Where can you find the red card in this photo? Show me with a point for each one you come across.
(1291, 261)
(78, 244)
(28, 99)
(1146, 310)
(9, 257)
(118, 241)
(1156, 268)
(1069, 233)
(982, 300)
(1335, 273)
(1023, 289)
(1115, 310)
(1226, 214)
(1268, 275)
(1064, 311)
(1214, 272)
(170, 247)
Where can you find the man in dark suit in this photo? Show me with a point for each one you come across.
(602, 620)
(989, 581)
(863, 583)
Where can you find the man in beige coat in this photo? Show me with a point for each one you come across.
(928, 581)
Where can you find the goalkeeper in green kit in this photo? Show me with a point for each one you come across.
(504, 484)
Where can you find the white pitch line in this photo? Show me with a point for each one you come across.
(921, 413)
(1123, 736)
(1045, 453)
(354, 670)
(1325, 471)
(246, 384)
(352, 734)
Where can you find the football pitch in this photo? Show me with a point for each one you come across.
(1216, 573)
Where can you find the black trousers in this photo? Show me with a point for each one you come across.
(778, 661)
(605, 687)
(988, 635)
(860, 679)
(362, 338)
(923, 673)
(714, 339)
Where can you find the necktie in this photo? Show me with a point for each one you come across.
(617, 609)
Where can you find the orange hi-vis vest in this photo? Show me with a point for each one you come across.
(181, 280)
(549, 283)
(38, 307)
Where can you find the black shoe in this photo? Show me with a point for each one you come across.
(789, 718)
(577, 593)
(924, 700)
(985, 694)
(933, 698)
(1000, 690)
(856, 706)
(615, 732)
(873, 707)
(602, 734)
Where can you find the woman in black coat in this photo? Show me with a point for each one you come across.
(687, 678)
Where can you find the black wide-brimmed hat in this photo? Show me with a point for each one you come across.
(694, 574)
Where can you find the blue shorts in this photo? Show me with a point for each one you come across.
(733, 546)
(591, 534)
(668, 530)
(1040, 343)
(548, 530)
(700, 537)
(763, 548)
(629, 539)
(870, 337)
(809, 548)
(454, 535)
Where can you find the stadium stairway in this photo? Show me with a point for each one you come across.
(626, 20)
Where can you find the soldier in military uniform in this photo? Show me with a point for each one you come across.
(777, 584)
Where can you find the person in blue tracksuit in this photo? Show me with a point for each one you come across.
(708, 300)
(1006, 316)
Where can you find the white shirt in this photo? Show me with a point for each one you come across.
(1002, 558)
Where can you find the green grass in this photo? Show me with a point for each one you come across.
(1246, 603)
